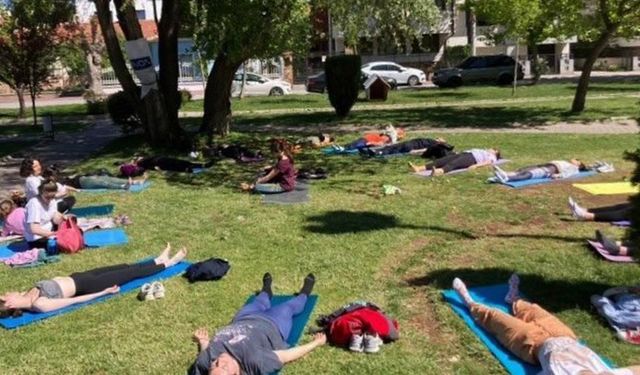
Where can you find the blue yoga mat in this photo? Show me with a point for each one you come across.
(92, 239)
(538, 181)
(30, 317)
(333, 151)
(300, 320)
(132, 189)
(88, 211)
(493, 296)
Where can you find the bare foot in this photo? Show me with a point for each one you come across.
(178, 257)
(437, 172)
(164, 255)
(246, 187)
(416, 168)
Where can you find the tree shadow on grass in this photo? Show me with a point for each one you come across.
(554, 295)
(344, 222)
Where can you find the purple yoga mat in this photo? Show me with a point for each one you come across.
(428, 172)
(622, 223)
(605, 254)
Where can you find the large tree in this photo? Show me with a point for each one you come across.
(604, 20)
(391, 22)
(158, 110)
(233, 31)
(31, 35)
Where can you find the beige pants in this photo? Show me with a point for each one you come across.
(524, 332)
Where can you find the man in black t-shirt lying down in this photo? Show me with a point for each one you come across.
(254, 342)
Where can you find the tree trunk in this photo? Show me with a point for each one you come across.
(583, 85)
(94, 71)
(515, 69)
(169, 69)
(470, 20)
(20, 95)
(533, 48)
(32, 93)
(217, 97)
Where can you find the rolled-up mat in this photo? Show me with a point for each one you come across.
(599, 248)
(93, 239)
(300, 194)
(608, 188)
(539, 181)
(31, 317)
(427, 173)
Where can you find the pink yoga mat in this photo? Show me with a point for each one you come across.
(613, 258)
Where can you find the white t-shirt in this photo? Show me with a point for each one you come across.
(37, 213)
(565, 169)
(31, 186)
(565, 356)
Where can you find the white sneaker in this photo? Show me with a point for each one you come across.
(157, 289)
(146, 293)
(500, 174)
(372, 343)
(357, 343)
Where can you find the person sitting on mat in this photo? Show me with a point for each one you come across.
(555, 169)
(618, 212)
(412, 147)
(615, 247)
(138, 165)
(388, 137)
(94, 181)
(471, 159)
(41, 214)
(31, 169)
(537, 337)
(281, 177)
(255, 341)
(13, 217)
(79, 287)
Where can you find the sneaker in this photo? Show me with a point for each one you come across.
(372, 343)
(357, 343)
(157, 289)
(146, 293)
(500, 174)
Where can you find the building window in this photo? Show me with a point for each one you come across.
(142, 15)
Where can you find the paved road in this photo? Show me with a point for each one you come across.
(66, 150)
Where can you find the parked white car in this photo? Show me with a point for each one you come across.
(402, 75)
(259, 85)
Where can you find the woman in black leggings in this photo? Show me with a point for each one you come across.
(618, 212)
(163, 163)
(471, 159)
(79, 287)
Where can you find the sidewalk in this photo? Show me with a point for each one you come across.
(66, 150)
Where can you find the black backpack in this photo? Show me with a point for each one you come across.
(210, 269)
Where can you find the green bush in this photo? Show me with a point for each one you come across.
(453, 56)
(343, 81)
(122, 111)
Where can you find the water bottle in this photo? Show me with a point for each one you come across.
(52, 246)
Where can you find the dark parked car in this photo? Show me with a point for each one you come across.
(494, 68)
(317, 82)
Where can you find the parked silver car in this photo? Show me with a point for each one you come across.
(495, 68)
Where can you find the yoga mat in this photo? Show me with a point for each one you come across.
(427, 173)
(597, 246)
(133, 189)
(622, 223)
(493, 296)
(198, 170)
(333, 151)
(93, 239)
(538, 181)
(30, 317)
(608, 188)
(300, 194)
(300, 320)
(103, 210)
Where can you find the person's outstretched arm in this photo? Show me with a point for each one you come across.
(270, 176)
(51, 304)
(290, 355)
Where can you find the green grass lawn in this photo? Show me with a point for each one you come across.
(397, 251)
(29, 129)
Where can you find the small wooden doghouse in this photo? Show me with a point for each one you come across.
(376, 88)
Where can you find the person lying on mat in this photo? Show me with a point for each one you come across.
(618, 212)
(94, 181)
(31, 169)
(281, 177)
(13, 217)
(317, 141)
(255, 341)
(537, 337)
(616, 247)
(471, 159)
(388, 137)
(79, 287)
(416, 146)
(138, 165)
(555, 169)
(41, 214)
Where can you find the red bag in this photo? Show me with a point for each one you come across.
(69, 236)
